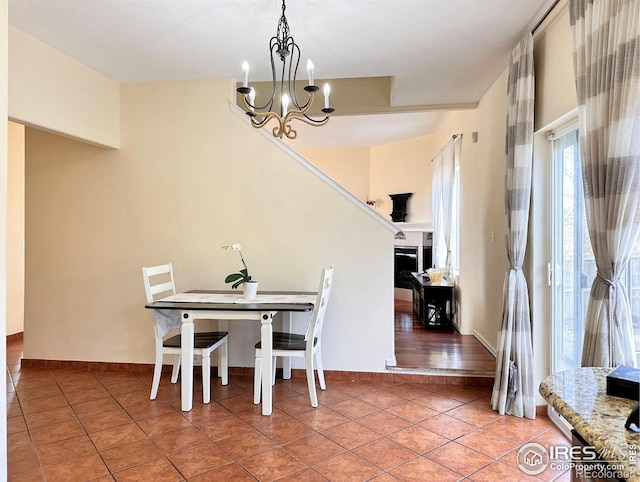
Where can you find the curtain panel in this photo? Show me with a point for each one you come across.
(442, 201)
(513, 389)
(436, 204)
(606, 42)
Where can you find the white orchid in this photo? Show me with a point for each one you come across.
(243, 275)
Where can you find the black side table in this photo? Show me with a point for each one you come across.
(433, 303)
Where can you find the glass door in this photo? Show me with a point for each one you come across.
(573, 264)
(573, 268)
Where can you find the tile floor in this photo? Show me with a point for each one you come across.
(78, 425)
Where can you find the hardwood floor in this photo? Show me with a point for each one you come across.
(417, 348)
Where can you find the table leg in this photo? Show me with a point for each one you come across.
(187, 360)
(266, 339)
(286, 360)
(223, 325)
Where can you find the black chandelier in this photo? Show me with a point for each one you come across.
(283, 46)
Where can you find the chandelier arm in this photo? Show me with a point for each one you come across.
(269, 104)
(286, 127)
(247, 106)
(303, 109)
(290, 132)
(266, 117)
(278, 130)
(295, 54)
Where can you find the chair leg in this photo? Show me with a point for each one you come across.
(223, 364)
(311, 381)
(257, 379)
(320, 371)
(157, 372)
(206, 376)
(176, 369)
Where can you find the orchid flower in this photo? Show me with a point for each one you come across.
(243, 275)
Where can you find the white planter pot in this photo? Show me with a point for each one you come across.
(249, 289)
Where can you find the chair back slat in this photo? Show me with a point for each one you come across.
(161, 286)
(317, 318)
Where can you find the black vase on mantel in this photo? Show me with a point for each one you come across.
(399, 212)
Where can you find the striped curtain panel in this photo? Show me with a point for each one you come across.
(606, 41)
(513, 389)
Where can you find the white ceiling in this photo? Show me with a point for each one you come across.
(439, 51)
(368, 130)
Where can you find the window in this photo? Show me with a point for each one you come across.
(631, 279)
(573, 268)
(573, 263)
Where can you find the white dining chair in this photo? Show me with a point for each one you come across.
(165, 324)
(307, 346)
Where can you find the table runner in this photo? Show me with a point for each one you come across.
(237, 298)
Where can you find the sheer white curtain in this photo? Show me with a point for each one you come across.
(436, 206)
(513, 389)
(606, 41)
(442, 203)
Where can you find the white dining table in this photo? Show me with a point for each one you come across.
(228, 306)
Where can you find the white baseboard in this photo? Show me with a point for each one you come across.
(486, 344)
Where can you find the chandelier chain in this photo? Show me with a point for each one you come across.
(282, 34)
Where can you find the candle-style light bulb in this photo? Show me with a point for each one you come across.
(252, 97)
(327, 91)
(245, 71)
(310, 71)
(285, 104)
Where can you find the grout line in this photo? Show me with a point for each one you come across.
(351, 393)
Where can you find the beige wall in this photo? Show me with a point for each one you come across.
(376, 172)
(15, 229)
(482, 262)
(348, 167)
(190, 176)
(52, 91)
(3, 234)
(553, 60)
(402, 167)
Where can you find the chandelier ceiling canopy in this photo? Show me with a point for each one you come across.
(283, 48)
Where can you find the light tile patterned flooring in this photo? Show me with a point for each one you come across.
(78, 425)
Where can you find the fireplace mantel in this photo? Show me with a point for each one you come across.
(424, 227)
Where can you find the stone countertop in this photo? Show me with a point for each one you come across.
(580, 396)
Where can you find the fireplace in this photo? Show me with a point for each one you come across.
(405, 261)
(408, 259)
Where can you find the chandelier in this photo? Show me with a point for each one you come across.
(283, 46)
